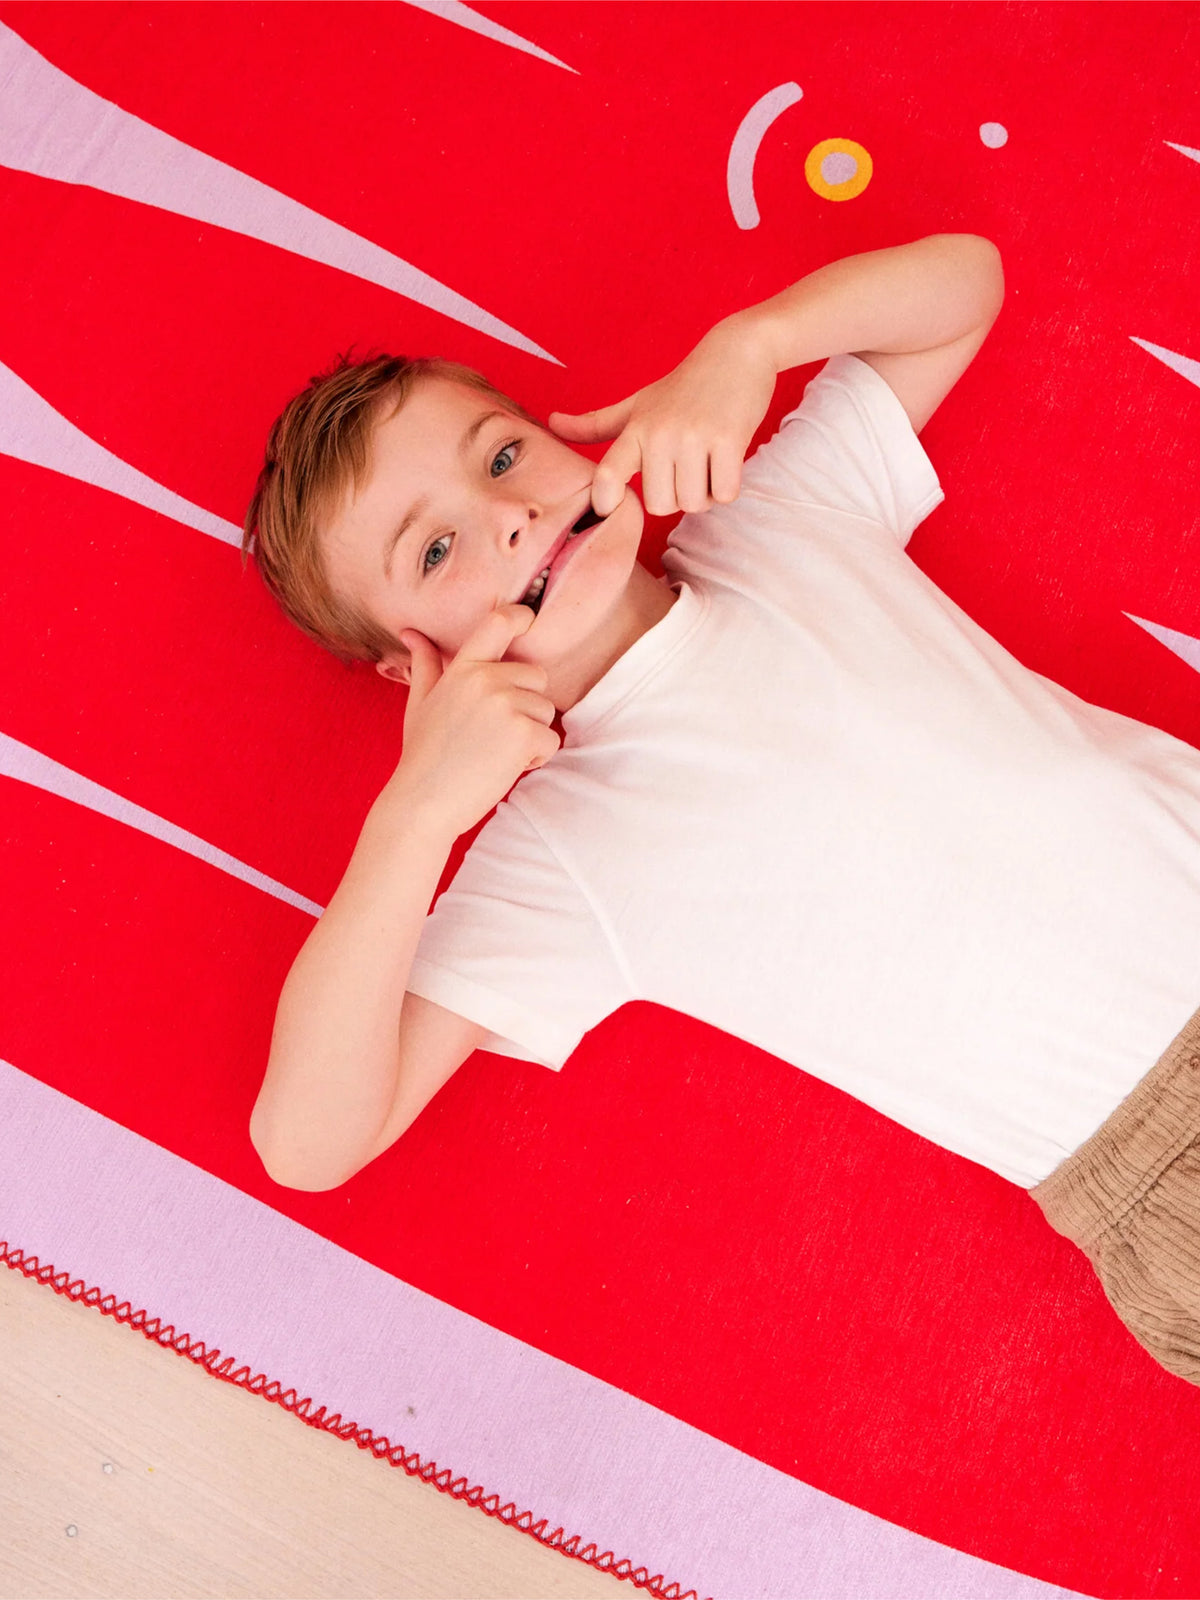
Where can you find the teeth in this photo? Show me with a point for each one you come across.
(586, 521)
(536, 587)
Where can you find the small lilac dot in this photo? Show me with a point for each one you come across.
(72, 1530)
(993, 134)
(839, 166)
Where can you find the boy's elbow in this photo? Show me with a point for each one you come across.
(306, 1182)
(309, 1182)
(287, 1174)
(993, 271)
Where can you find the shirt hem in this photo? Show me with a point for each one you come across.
(512, 1030)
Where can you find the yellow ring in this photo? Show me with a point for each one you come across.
(852, 187)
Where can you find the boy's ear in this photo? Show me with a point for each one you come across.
(395, 668)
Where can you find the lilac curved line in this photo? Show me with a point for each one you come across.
(55, 128)
(32, 430)
(1184, 645)
(1186, 366)
(455, 11)
(743, 152)
(27, 765)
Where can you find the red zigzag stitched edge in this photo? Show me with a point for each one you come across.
(381, 1447)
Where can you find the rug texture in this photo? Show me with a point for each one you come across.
(681, 1309)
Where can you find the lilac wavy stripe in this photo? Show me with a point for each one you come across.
(32, 430)
(1183, 645)
(1185, 366)
(27, 765)
(54, 127)
(455, 11)
(124, 1215)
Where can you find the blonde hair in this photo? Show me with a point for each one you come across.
(317, 447)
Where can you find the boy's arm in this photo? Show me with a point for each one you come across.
(354, 1056)
(916, 312)
(921, 379)
(336, 1056)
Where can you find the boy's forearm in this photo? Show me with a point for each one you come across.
(331, 1075)
(907, 297)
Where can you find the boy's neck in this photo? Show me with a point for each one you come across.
(646, 601)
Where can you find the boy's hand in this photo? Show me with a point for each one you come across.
(472, 728)
(688, 433)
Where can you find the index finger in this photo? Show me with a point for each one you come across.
(614, 471)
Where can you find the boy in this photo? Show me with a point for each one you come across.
(800, 794)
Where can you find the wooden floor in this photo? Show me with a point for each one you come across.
(126, 1471)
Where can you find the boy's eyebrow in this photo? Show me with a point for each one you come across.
(421, 506)
(417, 509)
(472, 433)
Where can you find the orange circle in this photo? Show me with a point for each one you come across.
(848, 188)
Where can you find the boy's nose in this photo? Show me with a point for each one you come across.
(519, 522)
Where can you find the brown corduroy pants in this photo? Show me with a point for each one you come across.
(1129, 1197)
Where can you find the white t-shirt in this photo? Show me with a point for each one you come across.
(819, 808)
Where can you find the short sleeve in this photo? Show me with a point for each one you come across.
(849, 446)
(514, 945)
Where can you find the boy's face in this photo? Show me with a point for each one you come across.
(486, 497)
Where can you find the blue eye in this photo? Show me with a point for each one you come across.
(503, 459)
(445, 539)
(510, 450)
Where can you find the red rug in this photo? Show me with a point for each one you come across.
(699, 1224)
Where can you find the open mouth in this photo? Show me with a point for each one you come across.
(533, 595)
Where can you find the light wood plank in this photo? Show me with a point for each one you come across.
(216, 1492)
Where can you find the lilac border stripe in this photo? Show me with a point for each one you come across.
(123, 1214)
